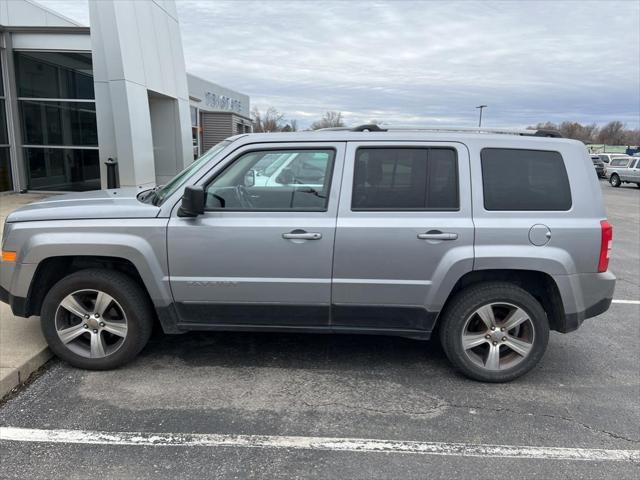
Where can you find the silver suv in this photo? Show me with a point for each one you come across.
(487, 240)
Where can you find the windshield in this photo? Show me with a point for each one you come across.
(176, 182)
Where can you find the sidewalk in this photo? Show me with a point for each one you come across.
(22, 347)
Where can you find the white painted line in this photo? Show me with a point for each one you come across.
(632, 302)
(315, 443)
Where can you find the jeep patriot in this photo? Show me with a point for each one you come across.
(487, 240)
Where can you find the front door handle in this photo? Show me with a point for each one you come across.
(302, 235)
(437, 236)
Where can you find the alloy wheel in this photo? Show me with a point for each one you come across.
(91, 323)
(498, 336)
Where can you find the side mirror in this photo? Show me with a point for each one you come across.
(192, 202)
(250, 178)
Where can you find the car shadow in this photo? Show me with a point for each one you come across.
(286, 350)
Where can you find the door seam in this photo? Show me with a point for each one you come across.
(335, 233)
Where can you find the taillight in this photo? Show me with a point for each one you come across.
(605, 245)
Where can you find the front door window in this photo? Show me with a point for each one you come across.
(274, 180)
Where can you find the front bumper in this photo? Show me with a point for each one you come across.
(15, 281)
(18, 304)
(4, 295)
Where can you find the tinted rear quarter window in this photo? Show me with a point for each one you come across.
(619, 162)
(405, 179)
(525, 180)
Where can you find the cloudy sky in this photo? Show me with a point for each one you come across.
(419, 62)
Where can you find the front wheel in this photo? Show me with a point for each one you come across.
(494, 332)
(615, 180)
(96, 319)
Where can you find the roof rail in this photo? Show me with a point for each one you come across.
(372, 127)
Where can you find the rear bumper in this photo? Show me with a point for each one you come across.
(583, 296)
(573, 320)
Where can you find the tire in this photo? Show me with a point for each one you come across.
(107, 341)
(638, 185)
(615, 180)
(460, 318)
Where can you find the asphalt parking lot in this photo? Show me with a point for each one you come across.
(583, 396)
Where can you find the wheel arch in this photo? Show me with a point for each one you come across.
(539, 284)
(52, 269)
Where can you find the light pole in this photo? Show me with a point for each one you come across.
(480, 120)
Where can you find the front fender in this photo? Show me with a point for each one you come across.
(140, 241)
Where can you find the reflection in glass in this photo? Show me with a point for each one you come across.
(5, 170)
(4, 138)
(54, 75)
(62, 169)
(59, 123)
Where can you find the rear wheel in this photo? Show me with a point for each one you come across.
(494, 332)
(615, 180)
(96, 319)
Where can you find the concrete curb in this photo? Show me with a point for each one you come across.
(23, 349)
(11, 377)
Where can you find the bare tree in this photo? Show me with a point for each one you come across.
(632, 137)
(293, 125)
(613, 133)
(268, 121)
(271, 120)
(592, 132)
(577, 131)
(545, 126)
(328, 120)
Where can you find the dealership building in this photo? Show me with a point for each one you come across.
(73, 99)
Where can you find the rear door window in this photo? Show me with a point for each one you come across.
(525, 180)
(405, 178)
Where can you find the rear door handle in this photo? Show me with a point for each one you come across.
(437, 236)
(302, 235)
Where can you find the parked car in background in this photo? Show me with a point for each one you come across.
(598, 165)
(607, 157)
(486, 241)
(624, 170)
